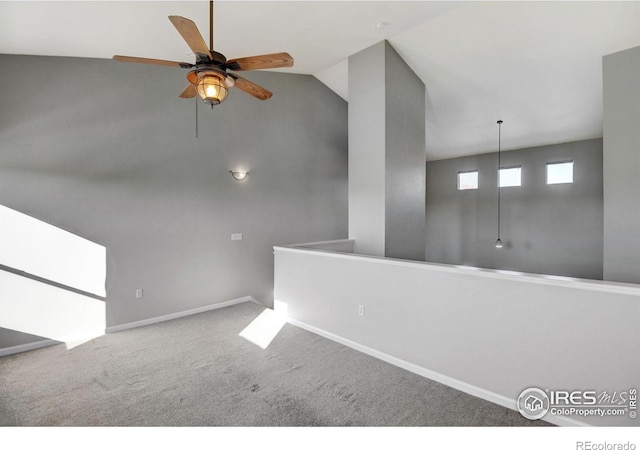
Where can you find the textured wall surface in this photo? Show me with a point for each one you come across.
(622, 166)
(108, 151)
(367, 165)
(405, 157)
(386, 155)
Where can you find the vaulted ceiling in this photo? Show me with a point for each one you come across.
(535, 65)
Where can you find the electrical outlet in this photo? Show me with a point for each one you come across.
(361, 310)
(236, 237)
(139, 293)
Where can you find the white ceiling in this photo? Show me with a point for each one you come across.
(535, 65)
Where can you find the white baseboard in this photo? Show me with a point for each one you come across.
(253, 300)
(142, 323)
(435, 376)
(27, 347)
(48, 343)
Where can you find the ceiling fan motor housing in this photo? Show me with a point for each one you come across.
(218, 58)
(214, 66)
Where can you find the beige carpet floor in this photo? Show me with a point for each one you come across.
(197, 371)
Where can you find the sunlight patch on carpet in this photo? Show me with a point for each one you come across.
(264, 328)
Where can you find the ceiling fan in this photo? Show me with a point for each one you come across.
(210, 77)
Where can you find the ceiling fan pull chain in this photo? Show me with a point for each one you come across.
(196, 100)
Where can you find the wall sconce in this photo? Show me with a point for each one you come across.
(239, 176)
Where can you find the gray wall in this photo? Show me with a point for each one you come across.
(405, 157)
(386, 155)
(551, 229)
(621, 72)
(107, 150)
(367, 119)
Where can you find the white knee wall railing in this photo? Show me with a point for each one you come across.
(486, 332)
(51, 280)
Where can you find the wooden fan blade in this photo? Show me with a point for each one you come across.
(270, 61)
(157, 62)
(252, 88)
(189, 92)
(192, 36)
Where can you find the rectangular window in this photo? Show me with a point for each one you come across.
(511, 176)
(560, 173)
(467, 180)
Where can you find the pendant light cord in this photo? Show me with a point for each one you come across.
(498, 179)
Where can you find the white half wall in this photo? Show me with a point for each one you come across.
(35, 247)
(490, 333)
(37, 308)
(339, 245)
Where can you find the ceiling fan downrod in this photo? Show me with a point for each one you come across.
(211, 25)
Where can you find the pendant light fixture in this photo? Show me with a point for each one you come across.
(498, 241)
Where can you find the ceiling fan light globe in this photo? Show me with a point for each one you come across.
(212, 88)
(230, 82)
